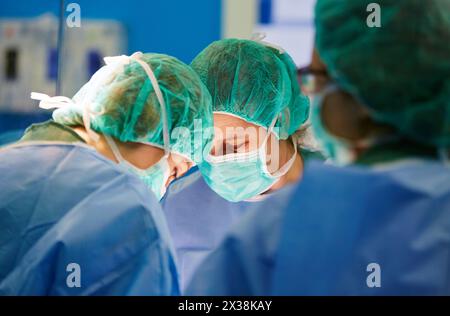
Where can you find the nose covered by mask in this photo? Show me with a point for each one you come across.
(242, 176)
(339, 150)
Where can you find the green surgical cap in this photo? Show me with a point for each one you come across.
(123, 104)
(254, 82)
(401, 70)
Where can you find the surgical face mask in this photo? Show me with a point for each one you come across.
(342, 152)
(333, 147)
(155, 177)
(242, 176)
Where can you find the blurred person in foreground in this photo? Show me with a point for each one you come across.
(377, 221)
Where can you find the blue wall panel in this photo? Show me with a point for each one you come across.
(177, 27)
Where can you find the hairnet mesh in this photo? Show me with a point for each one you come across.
(125, 105)
(401, 70)
(254, 82)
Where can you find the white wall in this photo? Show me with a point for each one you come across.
(239, 18)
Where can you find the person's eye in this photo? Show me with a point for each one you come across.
(238, 148)
(242, 147)
(229, 148)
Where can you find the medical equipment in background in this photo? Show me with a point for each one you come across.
(29, 57)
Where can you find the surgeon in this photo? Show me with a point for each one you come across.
(79, 196)
(260, 143)
(377, 221)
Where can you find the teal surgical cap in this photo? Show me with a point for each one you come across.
(122, 103)
(400, 70)
(255, 82)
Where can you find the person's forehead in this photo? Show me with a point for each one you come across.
(223, 121)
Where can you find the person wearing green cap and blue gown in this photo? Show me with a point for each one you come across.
(377, 221)
(260, 144)
(79, 196)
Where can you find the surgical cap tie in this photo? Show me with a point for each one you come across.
(259, 36)
(47, 102)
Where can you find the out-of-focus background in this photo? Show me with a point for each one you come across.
(42, 49)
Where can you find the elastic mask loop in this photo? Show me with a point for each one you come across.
(270, 130)
(113, 146)
(136, 57)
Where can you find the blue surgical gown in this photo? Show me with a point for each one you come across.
(337, 224)
(63, 204)
(10, 137)
(198, 219)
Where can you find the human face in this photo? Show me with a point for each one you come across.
(341, 114)
(234, 135)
